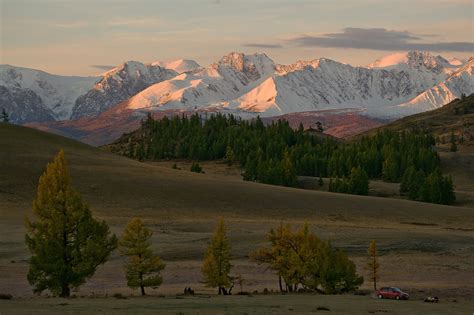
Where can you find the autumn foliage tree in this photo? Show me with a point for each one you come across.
(229, 157)
(143, 267)
(372, 263)
(67, 244)
(301, 259)
(216, 266)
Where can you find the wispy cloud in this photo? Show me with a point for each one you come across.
(135, 22)
(378, 39)
(118, 22)
(268, 46)
(74, 24)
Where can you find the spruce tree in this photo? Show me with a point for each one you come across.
(448, 195)
(390, 169)
(196, 168)
(319, 127)
(407, 179)
(359, 182)
(416, 185)
(453, 147)
(216, 265)
(289, 172)
(67, 244)
(5, 117)
(372, 263)
(143, 267)
(337, 273)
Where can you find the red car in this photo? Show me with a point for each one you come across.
(392, 293)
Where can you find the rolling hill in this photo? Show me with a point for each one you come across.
(456, 117)
(100, 176)
(182, 207)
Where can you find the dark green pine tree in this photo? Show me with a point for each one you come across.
(437, 188)
(289, 172)
(4, 116)
(359, 181)
(454, 146)
(407, 179)
(415, 185)
(390, 169)
(250, 173)
(447, 191)
(320, 181)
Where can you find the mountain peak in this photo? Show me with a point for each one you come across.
(254, 66)
(238, 60)
(412, 59)
(179, 65)
(130, 66)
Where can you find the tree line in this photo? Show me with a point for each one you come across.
(276, 153)
(68, 244)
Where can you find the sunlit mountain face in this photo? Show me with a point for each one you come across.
(394, 86)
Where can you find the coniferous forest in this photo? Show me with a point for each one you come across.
(276, 153)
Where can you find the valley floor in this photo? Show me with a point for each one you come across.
(256, 304)
(425, 249)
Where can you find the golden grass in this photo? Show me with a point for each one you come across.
(424, 247)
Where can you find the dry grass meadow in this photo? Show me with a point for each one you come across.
(425, 249)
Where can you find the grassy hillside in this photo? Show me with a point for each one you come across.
(108, 182)
(424, 247)
(457, 117)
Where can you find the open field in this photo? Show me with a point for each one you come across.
(425, 249)
(257, 304)
(460, 165)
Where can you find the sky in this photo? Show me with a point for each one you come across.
(85, 37)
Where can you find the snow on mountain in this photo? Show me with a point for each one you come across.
(246, 85)
(255, 84)
(180, 65)
(227, 79)
(326, 84)
(415, 60)
(118, 85)
(458, 83)
(50, 96)
(456, 62)
(24, 105)
(419, 81)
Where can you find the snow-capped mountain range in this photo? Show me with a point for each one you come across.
(33, 95)
(248, 85)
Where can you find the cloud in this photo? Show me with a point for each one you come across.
(102, 67)
(263, 45)
(134, 22)
(378, 39)
(76, 24)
